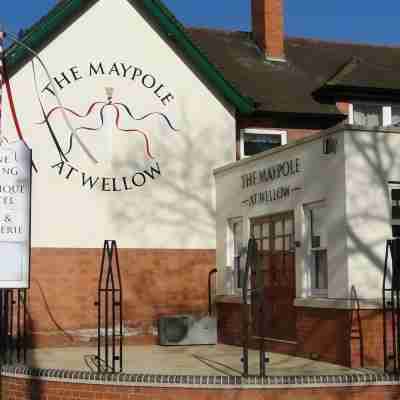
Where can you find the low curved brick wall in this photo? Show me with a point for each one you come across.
(23, 383)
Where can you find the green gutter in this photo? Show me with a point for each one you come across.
(55, 19)
(172, 28)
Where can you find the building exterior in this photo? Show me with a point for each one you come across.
(127, 133)
(321, 220)
(158, 205)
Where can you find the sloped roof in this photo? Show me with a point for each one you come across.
(315, 74)
(65, 11)
(292, 86)
(372, 75)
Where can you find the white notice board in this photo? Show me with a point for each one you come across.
(15, 214)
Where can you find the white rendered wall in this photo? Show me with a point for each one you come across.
(174, 210)
(321, 178)
(371, 162)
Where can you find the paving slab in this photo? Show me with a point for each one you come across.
(185, 360)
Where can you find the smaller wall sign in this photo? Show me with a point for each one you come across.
(269, 176)
(15, 202)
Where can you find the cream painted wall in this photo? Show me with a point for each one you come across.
(176, 209)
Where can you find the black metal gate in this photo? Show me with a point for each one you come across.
(13, 325)
(109, 312)
(391, 307)
(253, 325)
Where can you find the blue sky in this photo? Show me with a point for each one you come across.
(341, 20)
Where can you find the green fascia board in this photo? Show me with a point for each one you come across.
(56, 19)
(40, 32)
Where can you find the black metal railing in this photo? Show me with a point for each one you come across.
(13, 325)
(211, 285)
(391, 307)
(109, 312)
(253, 323)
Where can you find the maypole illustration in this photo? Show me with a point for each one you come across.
(109, 115)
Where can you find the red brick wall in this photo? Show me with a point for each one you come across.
(268, 26)
(229, 323)
(155, 282)
(343, 107)
(345, 337)
(369, 327)
(324, 334)
(25, 389)
(230, 330)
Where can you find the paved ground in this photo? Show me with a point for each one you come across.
(190, 360)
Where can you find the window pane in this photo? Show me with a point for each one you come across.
(257, 231)
(396, 115)
(237, 237)
(288, 226)
(266, 244)
(317, 224)
(265, 230)
(369, 115)
(288, 242)
(278, 228)
(232, 280)
(317, 252)
(278, 243)
(320, 278)
(256, 143)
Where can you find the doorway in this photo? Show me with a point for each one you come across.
(275, 240)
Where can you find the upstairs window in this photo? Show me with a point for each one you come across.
(374, 115)
(254, 141)
(396, 115)
(369, 115)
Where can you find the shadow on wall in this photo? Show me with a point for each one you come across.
(354, 337)
(179, 209)
(371, 162)
(376, 164)
(158, 279)
(181, 201)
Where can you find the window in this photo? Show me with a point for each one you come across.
(253, 141)
(316, 257)
(374, 115)
(370, 115)
(396, 115)
(236, 253)
(394, 195)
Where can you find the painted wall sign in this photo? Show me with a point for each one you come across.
(15, 198)
(270, 174)
(105, 126)
(276, 172)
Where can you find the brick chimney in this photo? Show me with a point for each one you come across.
(268, 27)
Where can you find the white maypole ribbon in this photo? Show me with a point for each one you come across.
(53, 86)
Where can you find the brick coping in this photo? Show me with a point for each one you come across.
(198, 381)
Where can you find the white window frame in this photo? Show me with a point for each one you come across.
(260, 131)
(394, 105)
(314, 292)
(230, 271)
(386, 112)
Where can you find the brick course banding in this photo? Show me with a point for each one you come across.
(23, 383)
